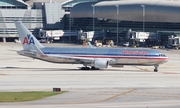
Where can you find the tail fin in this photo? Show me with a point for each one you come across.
(28, 40)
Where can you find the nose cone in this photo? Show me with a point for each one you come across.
(163, 58)
(166, 58)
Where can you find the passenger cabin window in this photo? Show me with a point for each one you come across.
(162, 55)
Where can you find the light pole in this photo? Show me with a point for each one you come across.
(70, 23)
(143, 6)
(93, 16)
(70, 20)
(117, 24)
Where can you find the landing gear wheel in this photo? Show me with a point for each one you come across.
(155, 70)
(85, 68)
(93, 68)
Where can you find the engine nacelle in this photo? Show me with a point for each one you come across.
(100, 63)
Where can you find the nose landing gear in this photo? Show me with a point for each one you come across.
(156, 68)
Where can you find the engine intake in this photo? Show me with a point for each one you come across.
(100, 63)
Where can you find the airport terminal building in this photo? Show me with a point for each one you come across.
(35, 16)
(112, 16)
(156, 14)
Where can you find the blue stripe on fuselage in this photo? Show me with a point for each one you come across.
(101, 54)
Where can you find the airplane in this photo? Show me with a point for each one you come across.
(91, 58)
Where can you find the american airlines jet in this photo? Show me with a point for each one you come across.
(90, 58)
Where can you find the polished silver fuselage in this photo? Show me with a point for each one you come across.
(115, 56)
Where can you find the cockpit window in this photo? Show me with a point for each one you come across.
(162, 55)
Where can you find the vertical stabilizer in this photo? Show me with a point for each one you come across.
(28, 40)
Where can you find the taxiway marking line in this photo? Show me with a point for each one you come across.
(142, 69)
(117, 95)
(123, 93)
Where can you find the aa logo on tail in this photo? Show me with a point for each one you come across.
(28, 40)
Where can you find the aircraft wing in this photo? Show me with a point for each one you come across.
(72, 58)
(83, 59)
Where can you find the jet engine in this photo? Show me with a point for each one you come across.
(100, 63)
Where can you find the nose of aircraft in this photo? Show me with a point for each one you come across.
(166, 58)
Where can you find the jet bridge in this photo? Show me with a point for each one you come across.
(169, 39)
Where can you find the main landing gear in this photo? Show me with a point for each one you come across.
(85, 68)
(88, 68)
(156, 68)
(93, 68)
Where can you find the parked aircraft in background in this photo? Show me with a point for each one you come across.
(91, 58)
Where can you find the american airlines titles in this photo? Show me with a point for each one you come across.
(135, 52)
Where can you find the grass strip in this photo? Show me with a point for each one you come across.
(25, 96)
